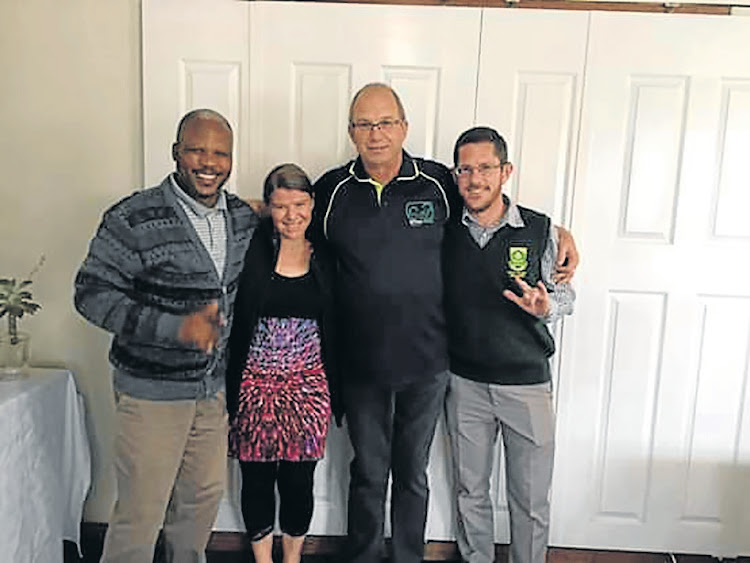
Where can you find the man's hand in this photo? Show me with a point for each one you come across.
(535, 300)
(202, 327)
(567, 256)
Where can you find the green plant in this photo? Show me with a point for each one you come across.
(16, 300)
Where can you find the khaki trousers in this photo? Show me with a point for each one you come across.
(170, 462)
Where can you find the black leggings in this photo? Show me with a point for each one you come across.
(295, 483)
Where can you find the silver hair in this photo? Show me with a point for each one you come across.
(373, 85)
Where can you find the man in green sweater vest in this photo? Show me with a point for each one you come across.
(498, 269)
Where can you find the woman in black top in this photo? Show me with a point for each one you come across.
(280, 378)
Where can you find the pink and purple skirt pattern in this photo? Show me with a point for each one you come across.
(284, 403)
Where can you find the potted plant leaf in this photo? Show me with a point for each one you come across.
(15, 302)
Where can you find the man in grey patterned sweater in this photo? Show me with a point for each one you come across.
(161, 276)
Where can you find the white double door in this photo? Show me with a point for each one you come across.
(631, 127)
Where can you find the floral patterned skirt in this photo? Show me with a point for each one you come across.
(284, 403)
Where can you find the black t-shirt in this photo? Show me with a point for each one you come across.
(297, 297)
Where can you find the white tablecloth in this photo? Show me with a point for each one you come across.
(45, 468)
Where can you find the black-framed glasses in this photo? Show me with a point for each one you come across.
(384, 125)
(485, 170)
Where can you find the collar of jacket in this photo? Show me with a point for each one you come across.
(409, 169)
(269, 237)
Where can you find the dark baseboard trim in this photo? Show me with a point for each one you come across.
(326, 545)
(92, 539)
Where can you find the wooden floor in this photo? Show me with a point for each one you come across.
(555, 556)
(233, 548)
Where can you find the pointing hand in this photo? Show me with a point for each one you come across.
(202, 327)
(534, 300)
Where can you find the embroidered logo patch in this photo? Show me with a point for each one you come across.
(518, 261)
(419, 213)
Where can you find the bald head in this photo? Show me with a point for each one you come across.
(203, 155)
(200, 114)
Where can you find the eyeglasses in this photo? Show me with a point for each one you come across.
(385, 125)
(465, 171)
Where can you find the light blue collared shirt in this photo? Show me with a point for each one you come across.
(210, 224)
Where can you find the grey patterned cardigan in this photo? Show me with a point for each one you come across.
(145, 270)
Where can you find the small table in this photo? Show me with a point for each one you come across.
(45, 468)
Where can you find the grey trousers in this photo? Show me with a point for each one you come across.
(476, 412)
(390, 431)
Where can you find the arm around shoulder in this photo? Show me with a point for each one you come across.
(562, 294)
(567, 256)
(323, 190)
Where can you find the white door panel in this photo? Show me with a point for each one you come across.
(655, 360)
(531, 70)
(305, 73)
(529, 89)
(194, 55)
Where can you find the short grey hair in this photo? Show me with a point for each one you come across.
(372, 86)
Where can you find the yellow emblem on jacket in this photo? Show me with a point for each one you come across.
(518, 261)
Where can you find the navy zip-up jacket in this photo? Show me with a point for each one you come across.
(389, 288)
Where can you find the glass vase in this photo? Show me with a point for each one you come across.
(14, 353)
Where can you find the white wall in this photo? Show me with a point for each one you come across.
(70, 117)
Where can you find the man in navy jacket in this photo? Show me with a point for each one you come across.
(383, 216)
